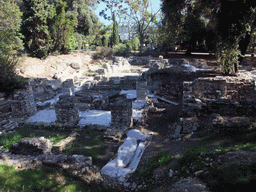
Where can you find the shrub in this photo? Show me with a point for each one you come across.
(8, 78)
(79, 39)
(121, 50)
(227, 57)
(102, 52)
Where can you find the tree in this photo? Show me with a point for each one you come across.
(10, 19)
(62, 29)
(230, 22)
(113, 6)
(35, 26)
(85, 21)
(135, 43)
(115, 34)
(141, 17)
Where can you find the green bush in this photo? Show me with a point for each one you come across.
(8, 78)
(121, 50)
(227, 56)
(102, 52)
(79, 39)
(92, 47)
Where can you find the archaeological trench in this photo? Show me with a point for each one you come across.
(185, 91)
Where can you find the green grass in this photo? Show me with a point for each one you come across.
(233, 177)
(159, 159)
(6, 140)
(45, 179)
(89, 143)
(144, 174)
(194, 158)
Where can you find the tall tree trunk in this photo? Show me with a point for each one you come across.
(141, 42)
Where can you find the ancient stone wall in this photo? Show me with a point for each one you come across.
(23, 103)
(232, 87)
(228, 107)
(141, 88)
(5, 110)
(67, 109)
(121, 113)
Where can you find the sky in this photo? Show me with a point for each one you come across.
(101, 6)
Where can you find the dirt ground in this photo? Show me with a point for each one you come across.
(50, 61)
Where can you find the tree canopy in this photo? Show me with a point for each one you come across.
(221, 25)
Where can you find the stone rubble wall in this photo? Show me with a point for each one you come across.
(121, 113)
(233, 87)
(226, 95)
(77, 164)
(228, 107)
(141, 88)
(66, 109)
(5, 110)
(23, 103)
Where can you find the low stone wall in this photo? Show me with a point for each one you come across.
(221, 86)
(121, 113)
(67, 109)
(77, 164)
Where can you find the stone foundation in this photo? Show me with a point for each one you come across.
(121, 113)
(141, 88)
(67, 109)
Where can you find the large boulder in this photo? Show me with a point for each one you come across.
(33, 146)
(76, 62)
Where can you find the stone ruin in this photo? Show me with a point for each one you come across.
(66, 109)
(67, 85)
(19, 104)
(121, 113)
(141, 88)
(37, 152)
(33, 146)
